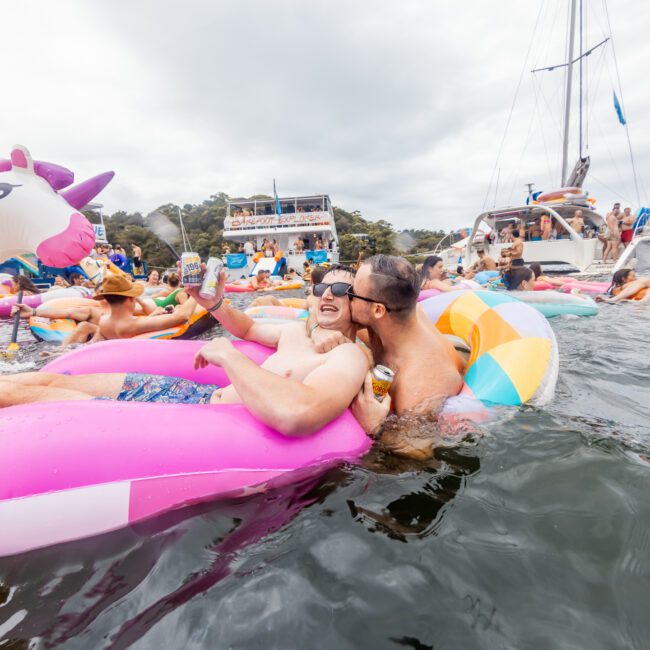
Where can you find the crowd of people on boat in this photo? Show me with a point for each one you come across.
(615, 234)
(270, 209)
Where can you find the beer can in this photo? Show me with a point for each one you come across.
(382, 378)
(191, 269)
(212, 269)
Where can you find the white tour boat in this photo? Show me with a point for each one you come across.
(302, 226)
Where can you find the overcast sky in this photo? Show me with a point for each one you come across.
(396, 109)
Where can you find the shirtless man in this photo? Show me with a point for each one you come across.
(259, 281)
(613, 234)
(627, 227)
(296, 390)
(427, 370)
(137, 257)
(484, 263)
(577, 222)
(516, 250)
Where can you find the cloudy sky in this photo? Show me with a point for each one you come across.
(396, 109)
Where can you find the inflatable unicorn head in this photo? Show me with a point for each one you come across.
(35, 217)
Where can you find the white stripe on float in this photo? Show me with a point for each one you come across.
(45, 519)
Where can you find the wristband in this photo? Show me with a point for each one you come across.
(312, 328)
(216, 306)
(34, 311)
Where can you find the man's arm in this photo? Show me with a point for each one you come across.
(236, 322)
(291, 407)
(144, 324)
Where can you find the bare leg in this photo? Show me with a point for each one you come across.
(97, 385)
(616, 247)
(14, 394)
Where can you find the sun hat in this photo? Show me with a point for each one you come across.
(118, 285)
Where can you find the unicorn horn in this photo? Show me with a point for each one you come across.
(81, 194)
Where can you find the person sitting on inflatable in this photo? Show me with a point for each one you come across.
(536, 268)
(484, 263)
(173, 294)
(427, 369)
(296, 390)
(434, 276)
(260, 281)
(626, 286)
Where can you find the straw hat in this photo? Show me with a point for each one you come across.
(118, 285)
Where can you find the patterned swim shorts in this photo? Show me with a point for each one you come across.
(139, 387)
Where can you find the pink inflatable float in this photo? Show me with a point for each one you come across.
(7, 302)
(36, 217)
(85, 468)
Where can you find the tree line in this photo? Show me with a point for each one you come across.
(204, 227)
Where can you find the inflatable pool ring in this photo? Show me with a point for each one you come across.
(143, 459)
(465, 284)
(586, 286)
(276, 313)
(482, 277)
(287, 286)
(41, 298)
(55, 330)
(297, 303)
(555, 303)
(639, 295)
(36, 217)
(514, 355)
(237, 288)
(540, 285)
(562, 194)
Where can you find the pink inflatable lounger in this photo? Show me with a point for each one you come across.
(70, 470)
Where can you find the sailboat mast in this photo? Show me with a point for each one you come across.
(569, 82)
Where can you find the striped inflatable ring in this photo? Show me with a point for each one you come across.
(277, 313)
(513, 352)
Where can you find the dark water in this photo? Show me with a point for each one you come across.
(536, 536)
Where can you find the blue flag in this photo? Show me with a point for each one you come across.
(619, 110)
(278, 209)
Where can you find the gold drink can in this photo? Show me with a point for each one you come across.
(382, 378)
(191, 269)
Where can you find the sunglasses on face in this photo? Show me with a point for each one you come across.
(341, 289)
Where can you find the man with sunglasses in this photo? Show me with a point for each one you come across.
(383, 300)
(296, 390)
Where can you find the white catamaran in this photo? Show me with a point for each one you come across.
(561, 246)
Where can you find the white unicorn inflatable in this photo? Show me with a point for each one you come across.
(36, 218)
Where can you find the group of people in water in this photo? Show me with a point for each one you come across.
(358, 318)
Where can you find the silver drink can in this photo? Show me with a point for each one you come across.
(191, 269)
(211, 278)
(382, 378)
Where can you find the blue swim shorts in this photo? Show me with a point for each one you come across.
(138, 387)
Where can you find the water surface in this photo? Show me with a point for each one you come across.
(535, 536)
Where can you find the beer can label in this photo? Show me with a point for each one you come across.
(382, 379)
(191, 269)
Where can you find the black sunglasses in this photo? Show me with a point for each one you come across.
(340, 289)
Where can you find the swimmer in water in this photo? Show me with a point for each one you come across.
(626, 286)
(427, 368)
(434, 276)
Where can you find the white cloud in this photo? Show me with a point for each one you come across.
(394, 109)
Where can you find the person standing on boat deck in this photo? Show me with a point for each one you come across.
(627, 227)
(249, 249)
(517, 249)
(613, 234)
(577, 222)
